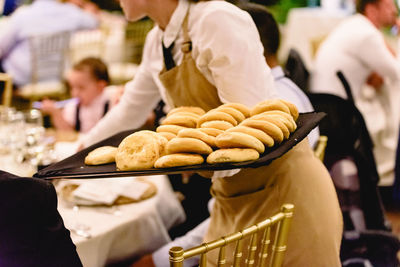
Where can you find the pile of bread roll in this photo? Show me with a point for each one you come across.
(189, 135)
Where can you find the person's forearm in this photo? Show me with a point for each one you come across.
(59, 122)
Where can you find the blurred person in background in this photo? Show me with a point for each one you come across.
(39, 18)
(358, 48)
(87, 81)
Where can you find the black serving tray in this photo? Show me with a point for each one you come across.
(74, 167)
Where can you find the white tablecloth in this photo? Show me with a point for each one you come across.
(126, 231)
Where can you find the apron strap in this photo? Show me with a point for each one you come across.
(77, 120)
(168, 58)
(187, 43)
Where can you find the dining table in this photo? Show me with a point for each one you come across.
(109, 234)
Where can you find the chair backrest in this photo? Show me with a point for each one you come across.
(48, 55)
(297, 70)
(86, 43)
(280, 222)
(350, 141)
(6, 95)
(320, 148)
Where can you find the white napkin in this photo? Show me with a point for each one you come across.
(101, 191)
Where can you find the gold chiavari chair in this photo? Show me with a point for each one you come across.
(279, 222)
(6, 95)
(320, 148)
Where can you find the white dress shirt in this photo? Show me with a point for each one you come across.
(357, 48)
(227, 51)
(41, 17)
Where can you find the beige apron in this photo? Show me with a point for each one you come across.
(255, 194)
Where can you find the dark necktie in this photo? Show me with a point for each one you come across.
(168, 59)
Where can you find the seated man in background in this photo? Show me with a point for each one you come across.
(42, 17)
(32, 232)
(358, 49)
(286, 89)
(87, 81)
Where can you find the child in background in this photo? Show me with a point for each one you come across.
(87, 82)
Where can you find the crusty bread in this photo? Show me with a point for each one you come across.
(101, 155)
(181, 120)
(169, 128)
(211, 131)
(260, 135)
(178, 159)
(239, 140)
(232, 155)
(292, 107)
(140, 150)
(215, 115)
(233, 112)
(217, 124)
(188, 145)
(270, 104)
(196, 110)
(240, 107)
(196, 133)
(269, 128)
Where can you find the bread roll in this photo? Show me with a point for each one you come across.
(169, 128)
(236, 114)
(232, 155)
(269, 128)
(240, 107)
(167, 135)
(178, 159)
(214, 115)
(196, 110)
(260, 135)
(270, 104)
(101, 155)
(293, 109)
(188, 145)
(220, 125)
(277, 122)
(138, 151)
(185, 113)
(196, 133)
(211, 131)
(239, 140)
(289, 117)
(181, 120)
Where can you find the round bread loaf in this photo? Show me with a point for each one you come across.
(138, 151)
(196, 110)
(101, 155)
(211, 131)
(220, 125)
(260, 135)
(188, 145)
(185, 113)
(167, 135)
(289, 117)
(214, 115)
(196, 133)
(181, 120)
(239, 140)
(292, 107)
(242, 108)
(178, 159)
(236, 114)
(269, 104)
(277, 122)
(269, 128)
(232, 155)
(169, 128)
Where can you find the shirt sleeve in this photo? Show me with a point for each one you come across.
(374, 53)
(9, 35)
(83, 19)
(234, 58)
(139, 98)
(190, 239)
(69, 113)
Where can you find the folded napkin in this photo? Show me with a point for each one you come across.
(106, 192)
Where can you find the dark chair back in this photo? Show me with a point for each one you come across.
(297, 70)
